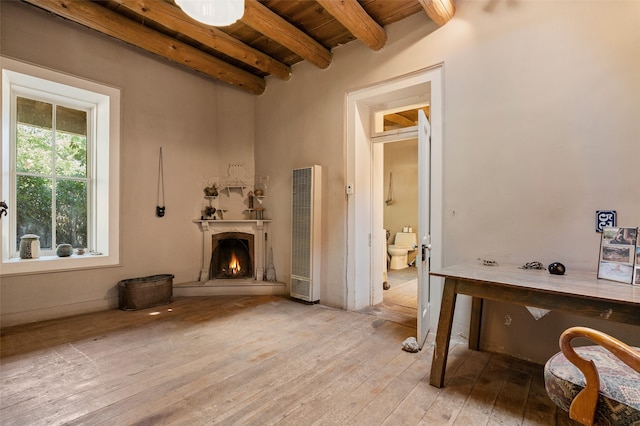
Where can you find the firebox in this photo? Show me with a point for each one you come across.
(232, 255)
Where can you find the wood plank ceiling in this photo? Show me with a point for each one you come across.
(272, 35)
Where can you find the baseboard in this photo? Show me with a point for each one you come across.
(17, 318)
(230, 288)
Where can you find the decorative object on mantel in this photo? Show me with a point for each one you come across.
(160, 208)
(261, 187)
(29, 246)
(620, 255)
(209, 211)
(250, 200)
(211, 191)
(236, 178)
(3, 209)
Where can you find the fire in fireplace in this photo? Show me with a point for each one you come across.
(232, 255)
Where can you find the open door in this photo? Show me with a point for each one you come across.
(424, 225)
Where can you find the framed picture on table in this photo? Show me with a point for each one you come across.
(619, 255)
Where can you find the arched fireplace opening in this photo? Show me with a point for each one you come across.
(232, 255)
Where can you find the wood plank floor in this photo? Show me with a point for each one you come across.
(400, 301)
(252, 360)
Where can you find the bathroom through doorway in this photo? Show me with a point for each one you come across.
(400, 216)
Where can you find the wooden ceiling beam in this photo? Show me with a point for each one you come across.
(101, 19)
(355, 19)
(263, 20)
(399, 120)
(173, 17)
(440, 11)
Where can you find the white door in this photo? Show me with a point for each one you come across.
(424, 225)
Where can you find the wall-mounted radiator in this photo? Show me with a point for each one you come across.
(305, 233)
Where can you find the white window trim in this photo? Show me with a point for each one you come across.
(106, 227)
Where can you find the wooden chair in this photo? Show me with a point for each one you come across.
(608, 390)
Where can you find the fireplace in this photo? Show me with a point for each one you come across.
(245, 238)
(232, 255)
(238, 234)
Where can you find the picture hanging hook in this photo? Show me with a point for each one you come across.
(160, 208)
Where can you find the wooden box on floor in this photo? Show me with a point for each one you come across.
(145, 292)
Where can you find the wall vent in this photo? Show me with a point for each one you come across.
(305, 233)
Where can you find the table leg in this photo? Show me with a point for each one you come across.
(476, 321)
(445, 322)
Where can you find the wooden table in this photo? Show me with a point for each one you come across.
(575, 292)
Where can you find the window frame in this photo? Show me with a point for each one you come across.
(103, 222)
(90, 177)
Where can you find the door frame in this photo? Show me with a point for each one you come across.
(364, 185)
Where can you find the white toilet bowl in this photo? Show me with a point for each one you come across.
(404, 243)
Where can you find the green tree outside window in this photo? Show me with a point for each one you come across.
(52, 179)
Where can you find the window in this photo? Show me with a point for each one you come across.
(60, 149)
(392, 121)
(52, 178)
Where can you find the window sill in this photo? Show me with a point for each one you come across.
(43, 264)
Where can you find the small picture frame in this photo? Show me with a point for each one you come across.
(605, 218)
(620, 255)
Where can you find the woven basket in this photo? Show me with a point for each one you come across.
(145, 292)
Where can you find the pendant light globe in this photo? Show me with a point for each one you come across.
(218, 13)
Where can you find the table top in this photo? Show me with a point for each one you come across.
(573, 283)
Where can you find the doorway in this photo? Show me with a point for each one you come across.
(366, 239)
(400, 218)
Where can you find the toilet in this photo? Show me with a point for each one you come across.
(404, 243)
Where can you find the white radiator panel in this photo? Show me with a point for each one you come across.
(305, 233)
(301, 289)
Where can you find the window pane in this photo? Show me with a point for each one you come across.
(33, 149)
(71, 155)
(34, 113)
(71, 120)
(33, 209)
(71, 143)
(402, 119)
(71, 209)
(34, 136)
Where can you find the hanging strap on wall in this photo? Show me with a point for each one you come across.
(160, 208)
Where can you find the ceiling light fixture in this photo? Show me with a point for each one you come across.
(218, 13)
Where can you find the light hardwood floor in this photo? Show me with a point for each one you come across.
(252, 360)
(400, 301)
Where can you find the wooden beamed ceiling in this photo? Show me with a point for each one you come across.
(270, 37)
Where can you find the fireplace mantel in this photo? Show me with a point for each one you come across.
(210, 227)
(206, 223)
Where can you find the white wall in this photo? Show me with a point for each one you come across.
(202, 126)
(542, 101)
(401, 159)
